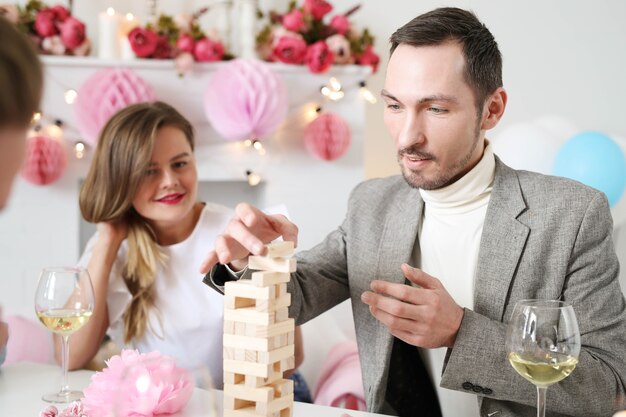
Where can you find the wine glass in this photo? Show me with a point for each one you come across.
(543, 342)
(64, 302)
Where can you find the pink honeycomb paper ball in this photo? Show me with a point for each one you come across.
(104, 94)
(327, 137)
(45, 160)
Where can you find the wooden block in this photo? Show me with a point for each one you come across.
(286, 412)
(241, 391)
(248, 315)
(290, 338)
(247, 368)
(287, 364)
(232, 403)
(276, 404)
(253, 343)
(255, 381)
(267, 278)
(273, 305)
(243, 412)
(281, 314)
(233, 378)
(262, 263)
(233, 302)
(229, 353)
(280, 249)
(245, 289)
(270, 330)
(281, 289)
(240, 328)
(278, 341)
(276, 354)
(229, 326)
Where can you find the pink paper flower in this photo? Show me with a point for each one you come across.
(340, 23)
(207, 50)
(293, 21)
(163, 48)
(317, 8)
(49, 411)
(340, 47)
(369, 57)
(60, 13)
(10, 13)
(72, 32)
(138, 385)
(53, 45)
(142, 41)
(44, 23)
(290, 50)
(184, 63)
(319, 57)
(185, 43)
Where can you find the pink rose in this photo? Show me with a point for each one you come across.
(340, 47)
(49, 411)
(289, 50)
(369, 57)
(294, 20)
(72, 32)
(44, 23)
(143, 42)
(53, 45)
(184, 63)
(163, 48)
(185, 43)
(317, 8)
(340, 23)
(318, 57)
(207, 50)
(10, 13)
(60, 13)
(75, 409)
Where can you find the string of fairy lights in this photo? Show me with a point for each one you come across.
(332, 91)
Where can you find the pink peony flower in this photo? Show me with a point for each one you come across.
(185, 43)
(44, 23)
(207, 50)
(317, 8)
(319, 57)
(72, 33)
(138, 385)
(53, 45)
(49, 411)
(75, 409)
(60, 13)
(293, 21)
(163, 48)
(10, 13)
(184, 63)
(340, 23)
(369, 57)
(143, 42)
(290, 50)
(340, 47)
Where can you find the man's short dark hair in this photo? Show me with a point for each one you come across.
(483, 61)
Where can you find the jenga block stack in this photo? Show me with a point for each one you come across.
(259, 337)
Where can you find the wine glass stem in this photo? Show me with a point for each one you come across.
(541, 401)
(65, 357)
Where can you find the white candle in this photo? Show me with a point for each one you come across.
(108, 34)
(128, 23)
(247, 26)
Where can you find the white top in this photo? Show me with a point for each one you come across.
(187, 321)
(449, 241)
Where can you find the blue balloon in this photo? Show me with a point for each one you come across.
(595, 160)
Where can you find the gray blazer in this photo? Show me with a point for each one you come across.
(543, 237)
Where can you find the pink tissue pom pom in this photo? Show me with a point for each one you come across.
(45, 160)
(327, 137)
(138, 385)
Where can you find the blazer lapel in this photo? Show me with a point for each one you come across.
(502, 243)
(396, 246)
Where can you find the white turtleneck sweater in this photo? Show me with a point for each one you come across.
(449, 239)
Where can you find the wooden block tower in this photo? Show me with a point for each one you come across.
(259, 337)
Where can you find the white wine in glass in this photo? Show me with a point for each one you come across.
(64, 302)
(543, 343)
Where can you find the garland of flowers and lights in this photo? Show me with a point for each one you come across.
(302, 36)
(53, 30)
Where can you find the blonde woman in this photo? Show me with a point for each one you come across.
(152, 234)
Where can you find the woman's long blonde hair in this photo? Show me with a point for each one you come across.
(120, 161)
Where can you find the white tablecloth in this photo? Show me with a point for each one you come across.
(22, 385)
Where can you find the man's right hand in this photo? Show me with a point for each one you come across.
(247, 233)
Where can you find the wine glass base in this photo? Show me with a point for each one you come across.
(63, 397)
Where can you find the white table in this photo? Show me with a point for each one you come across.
(22, 384)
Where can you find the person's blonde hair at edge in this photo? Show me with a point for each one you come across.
(119, 164)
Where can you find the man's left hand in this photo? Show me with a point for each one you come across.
(426, 316)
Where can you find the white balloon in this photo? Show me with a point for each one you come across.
(530, 146)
